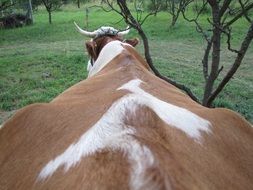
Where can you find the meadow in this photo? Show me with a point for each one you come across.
(39, 62)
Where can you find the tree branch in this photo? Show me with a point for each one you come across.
(245, 13)
(226, 31)
(244, 46)
(224, 7)
(195, 20)
(239, 15)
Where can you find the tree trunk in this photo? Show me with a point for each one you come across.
(244, 47)
(49, 17)
(30, 11)
(173, 20)
(205, 60)
(78, 4)
(215, 54)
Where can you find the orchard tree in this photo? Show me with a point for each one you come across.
(136, 23)
(78, 2)
(175, 8)
(51, 5)
(223, 16)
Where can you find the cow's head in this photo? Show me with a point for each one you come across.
(100, 37)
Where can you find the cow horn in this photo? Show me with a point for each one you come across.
(122, 33)
(86, 33)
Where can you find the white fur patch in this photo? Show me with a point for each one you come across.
(89, 66)
(173, 115)
(109, 51)
(109, 132)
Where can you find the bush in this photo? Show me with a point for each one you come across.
(14, 20)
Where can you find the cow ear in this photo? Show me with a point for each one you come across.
(132, 42)
(91, 48)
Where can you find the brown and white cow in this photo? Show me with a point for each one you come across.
(124, 128)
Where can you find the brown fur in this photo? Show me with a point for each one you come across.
(38, 133)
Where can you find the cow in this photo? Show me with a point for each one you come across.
(124, 128)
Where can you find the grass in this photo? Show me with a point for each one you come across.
(39, 62)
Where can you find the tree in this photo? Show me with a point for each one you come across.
(220, 22)
(223, 16)
(51, 5)
(175, 7)
(78, 3)
(136, 23)
(30, 10)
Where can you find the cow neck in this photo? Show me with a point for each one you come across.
(100, 42)
(106, 55)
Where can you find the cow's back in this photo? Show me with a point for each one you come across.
(125, 129)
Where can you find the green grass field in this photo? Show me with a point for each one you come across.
(40, 61)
